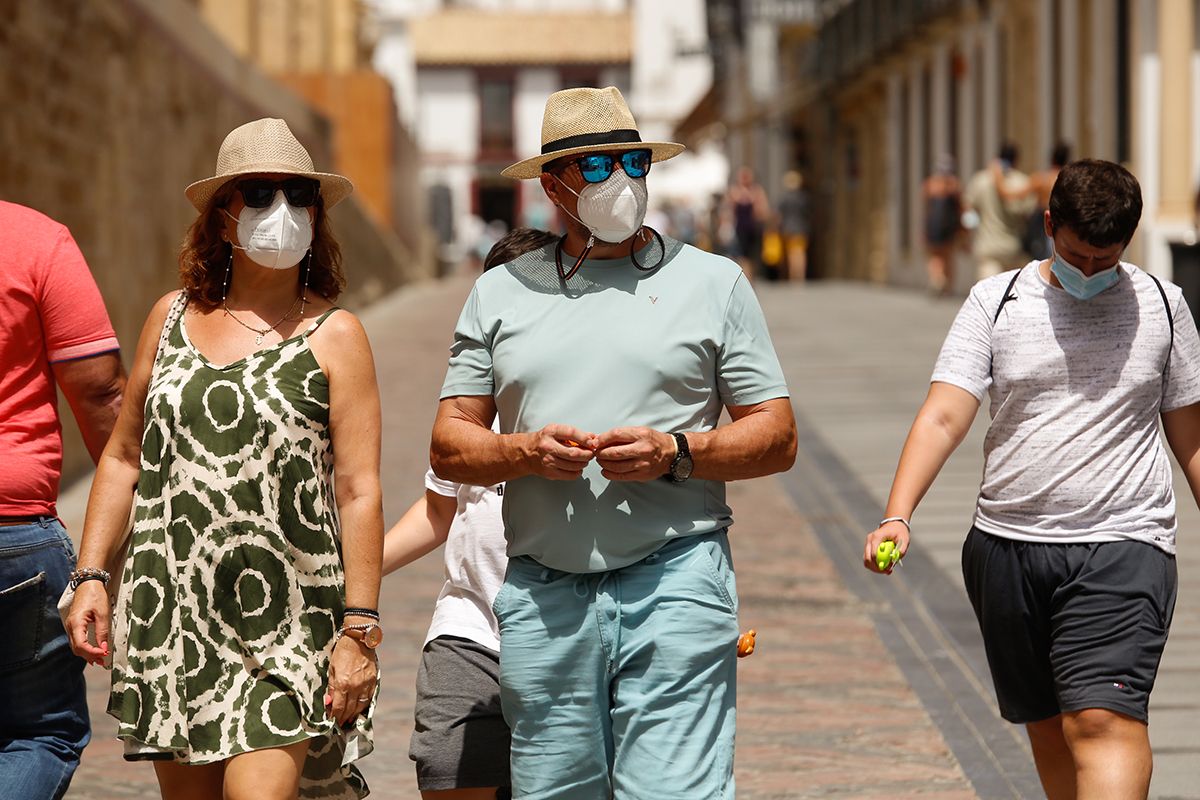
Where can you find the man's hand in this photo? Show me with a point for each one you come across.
(634, 454)
(890, 531)
(559, 452)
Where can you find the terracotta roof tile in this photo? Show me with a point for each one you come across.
(485, 38)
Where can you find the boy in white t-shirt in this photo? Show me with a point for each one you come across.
(1070, 562)
(461, 741)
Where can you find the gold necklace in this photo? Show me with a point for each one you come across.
(263, 332)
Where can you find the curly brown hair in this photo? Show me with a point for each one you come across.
(204, 255)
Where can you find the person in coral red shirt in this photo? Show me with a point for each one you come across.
(54, 332)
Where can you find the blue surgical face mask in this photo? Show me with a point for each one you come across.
(1080, 286)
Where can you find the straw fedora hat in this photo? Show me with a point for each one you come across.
(584, 121)
(265, 145)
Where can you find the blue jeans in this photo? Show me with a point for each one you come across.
(43, 705)
(623, 683)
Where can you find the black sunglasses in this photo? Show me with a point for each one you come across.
(260, 192)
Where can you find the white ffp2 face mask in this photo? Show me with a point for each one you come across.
(277, 236)
(614, 209)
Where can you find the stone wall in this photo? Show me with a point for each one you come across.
(109, 109)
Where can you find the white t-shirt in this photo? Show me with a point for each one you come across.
(475, 563)
(1073, 453)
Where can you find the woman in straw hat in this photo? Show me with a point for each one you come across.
(243, 637)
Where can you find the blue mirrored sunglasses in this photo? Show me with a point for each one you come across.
(596, 167)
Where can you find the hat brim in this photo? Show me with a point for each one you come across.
(334, 188)
(532, 167)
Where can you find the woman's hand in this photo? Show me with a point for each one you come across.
(90, 613)
(353, 674)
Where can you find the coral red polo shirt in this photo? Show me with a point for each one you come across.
(50, 310)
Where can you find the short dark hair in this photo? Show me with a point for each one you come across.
(516, 242)
(1009, 152)
(1060, 156)
(1101, 202)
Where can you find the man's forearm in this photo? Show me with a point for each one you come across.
(465, 452)
(760, 443)
(96, 417)
(94, 388)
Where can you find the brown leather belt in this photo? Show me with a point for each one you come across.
(22, 520)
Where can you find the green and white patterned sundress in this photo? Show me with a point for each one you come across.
(233, 587)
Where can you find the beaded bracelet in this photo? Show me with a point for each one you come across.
(88, 574)
(369, 613)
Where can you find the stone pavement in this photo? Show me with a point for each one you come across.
(861, 686)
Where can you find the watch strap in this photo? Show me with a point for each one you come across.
(682, 451)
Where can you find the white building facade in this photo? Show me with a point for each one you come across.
(477, 74)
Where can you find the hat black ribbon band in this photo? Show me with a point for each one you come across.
(621, 136)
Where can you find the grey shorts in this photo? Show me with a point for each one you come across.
(460, 740)
(1070, 626)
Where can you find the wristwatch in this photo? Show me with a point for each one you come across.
(681, 465)
(369, 635)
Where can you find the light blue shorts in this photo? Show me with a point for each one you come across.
(622, 683)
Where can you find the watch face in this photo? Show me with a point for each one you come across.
(373, 637)
(683, 470)
(370, 635)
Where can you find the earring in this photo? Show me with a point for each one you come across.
(228, 268)
(304, 291)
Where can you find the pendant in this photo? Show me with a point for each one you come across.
(258, 339)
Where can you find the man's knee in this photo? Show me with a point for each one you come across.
(1094, 724)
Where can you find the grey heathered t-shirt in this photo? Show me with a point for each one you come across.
(616, 347)
(1073, 453)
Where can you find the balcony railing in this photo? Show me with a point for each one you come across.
(857, 33)
(785, 12)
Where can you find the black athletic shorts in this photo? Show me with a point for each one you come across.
(1070, 626)
(460, 740)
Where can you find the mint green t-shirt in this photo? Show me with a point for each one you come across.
(614, 347)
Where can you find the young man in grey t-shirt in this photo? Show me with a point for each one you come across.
(1070, 563)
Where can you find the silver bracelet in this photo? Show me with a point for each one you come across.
(901, 520)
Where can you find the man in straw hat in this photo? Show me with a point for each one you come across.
(609, 356)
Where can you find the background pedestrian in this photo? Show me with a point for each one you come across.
(748, 209)
(794, 225)
(1000, 226)
(943, 213)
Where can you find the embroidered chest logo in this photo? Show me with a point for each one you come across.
(653, 300)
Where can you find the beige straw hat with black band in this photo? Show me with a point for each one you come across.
(265, 146)
(587, 121)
